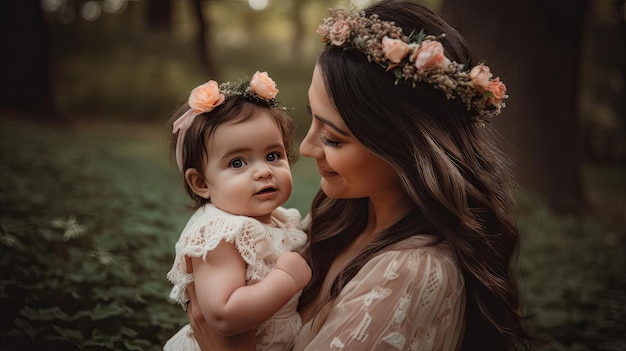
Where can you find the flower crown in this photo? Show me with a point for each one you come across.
(204, 98)
(415, 58)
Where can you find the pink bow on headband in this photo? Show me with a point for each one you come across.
(203, 98)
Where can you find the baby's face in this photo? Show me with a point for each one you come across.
(247, 172)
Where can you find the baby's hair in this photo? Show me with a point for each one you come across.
(235, 109)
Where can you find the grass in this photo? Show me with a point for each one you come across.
(571, 268)
(90, 213)
(86, 234)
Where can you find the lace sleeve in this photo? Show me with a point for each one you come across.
(205, 230)
(410, 299)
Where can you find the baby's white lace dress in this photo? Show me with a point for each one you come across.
(259, 245)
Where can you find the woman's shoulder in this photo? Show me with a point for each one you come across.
(418, 257)
(421, 245)
(415, 242)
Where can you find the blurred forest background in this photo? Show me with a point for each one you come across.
(91, 205)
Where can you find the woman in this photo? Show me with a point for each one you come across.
(411, 236)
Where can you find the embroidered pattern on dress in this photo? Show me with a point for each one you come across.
(391, 271)
(395, 339)
(403, 305)
(337, 344)
(425, 342)
(377, 293)
(432, 282)
(360, 333)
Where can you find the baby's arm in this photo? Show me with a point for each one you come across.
(231, 307)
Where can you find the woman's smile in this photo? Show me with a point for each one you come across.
(324, 173)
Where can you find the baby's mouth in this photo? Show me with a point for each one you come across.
(266, 190)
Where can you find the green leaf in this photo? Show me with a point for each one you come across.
(128, 332)
(69, 334)
(26, 327)
(45, 314)
(138, 345)
(101, 312)
(420, 36)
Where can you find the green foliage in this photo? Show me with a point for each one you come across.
(571, 268)
(87, 236)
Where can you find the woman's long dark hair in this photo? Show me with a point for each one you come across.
(458, 180)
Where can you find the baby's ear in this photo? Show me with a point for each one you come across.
(197, 183)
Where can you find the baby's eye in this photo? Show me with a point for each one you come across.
(273, 156)
(237, 163)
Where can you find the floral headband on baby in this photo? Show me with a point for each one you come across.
(415, 58)
(204, 98)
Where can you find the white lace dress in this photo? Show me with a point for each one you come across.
(259, 245)
(408, 298)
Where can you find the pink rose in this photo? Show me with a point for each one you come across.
(498, 89)
(262, 85)
(395, 49)
(430, 56)
(480, 76)
(323, 31)
(414, 48)
(339, 32)
(205, 97)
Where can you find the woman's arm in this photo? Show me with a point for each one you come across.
(228, 305)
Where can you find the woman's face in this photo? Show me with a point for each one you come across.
(348, 169)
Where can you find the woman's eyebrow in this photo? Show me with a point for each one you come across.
(331, 124)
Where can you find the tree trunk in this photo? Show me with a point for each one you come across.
(535, 47)
(24, 62)
(299, 30)
(204, 28)
(159, 15)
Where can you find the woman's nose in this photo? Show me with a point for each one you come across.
(310, 145)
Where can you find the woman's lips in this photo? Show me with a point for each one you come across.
(325, 174)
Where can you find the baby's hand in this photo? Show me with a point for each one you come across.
(296, 267)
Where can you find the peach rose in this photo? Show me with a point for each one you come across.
(395, 49)
(498, 89)
(262, 85)
(414, 48)
(430, 56)
(322, 30)
(480, 76)
(205, 97)
(339, 32)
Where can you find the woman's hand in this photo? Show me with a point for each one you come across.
(201, 329)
